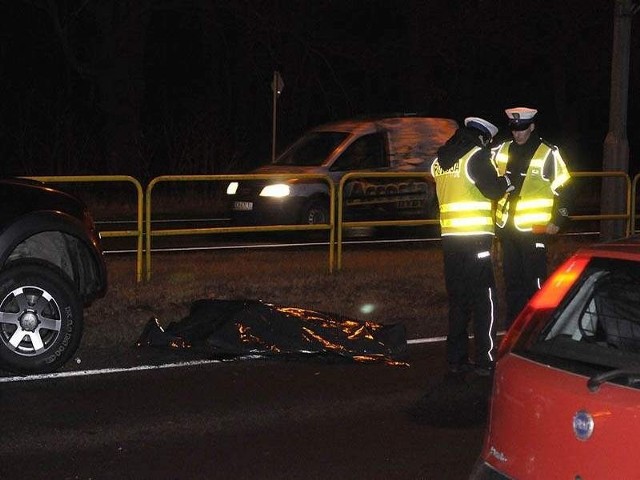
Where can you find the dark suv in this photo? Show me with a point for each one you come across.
(51, 266)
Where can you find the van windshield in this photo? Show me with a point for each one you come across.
(312, 149)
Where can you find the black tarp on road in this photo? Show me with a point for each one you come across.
(236, 328)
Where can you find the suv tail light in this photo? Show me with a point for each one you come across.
(543, 303)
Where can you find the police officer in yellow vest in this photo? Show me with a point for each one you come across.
(534, 209)
(466, 182)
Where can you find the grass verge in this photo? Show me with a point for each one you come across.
(379, 284)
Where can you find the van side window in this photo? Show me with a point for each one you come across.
(366, 153)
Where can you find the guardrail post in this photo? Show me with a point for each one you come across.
(341, 224)
(634, 204)
(212, 230)
(617, 216)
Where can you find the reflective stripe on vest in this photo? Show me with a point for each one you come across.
(535, 204)
(463, 209)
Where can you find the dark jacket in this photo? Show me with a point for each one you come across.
(481, 170)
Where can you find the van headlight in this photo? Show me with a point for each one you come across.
(276, 190)
(232, 188)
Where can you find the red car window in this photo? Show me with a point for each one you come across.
(586, 318)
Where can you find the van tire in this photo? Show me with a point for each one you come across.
(316, 212)
(432, 209)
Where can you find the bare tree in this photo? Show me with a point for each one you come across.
(616, 144)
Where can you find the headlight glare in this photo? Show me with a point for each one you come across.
(232, 188)
(276, 190)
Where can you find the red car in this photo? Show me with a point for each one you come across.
(566, 392)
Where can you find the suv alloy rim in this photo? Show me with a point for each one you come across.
(29, 320)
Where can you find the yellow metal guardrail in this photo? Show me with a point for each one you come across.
(341, 224)
(627, 215)
(336, 223)
(262, 228)
(138, 233)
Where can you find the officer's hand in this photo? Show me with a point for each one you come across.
(552, 229)
(510, 186)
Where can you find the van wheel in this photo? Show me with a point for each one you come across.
(40, 319)
(431, 209)
(316, 213)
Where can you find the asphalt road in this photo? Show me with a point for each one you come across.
(242, 419)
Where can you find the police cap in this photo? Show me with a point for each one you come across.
(487, 128)
(520, 117)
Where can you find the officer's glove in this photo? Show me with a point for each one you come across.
(552, 229)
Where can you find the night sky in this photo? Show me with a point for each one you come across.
(151, 87)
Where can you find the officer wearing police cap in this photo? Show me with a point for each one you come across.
(466, 183)
(536, 207)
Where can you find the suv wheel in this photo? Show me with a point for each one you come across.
(40, 318)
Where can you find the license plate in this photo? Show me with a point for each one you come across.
(244, 206)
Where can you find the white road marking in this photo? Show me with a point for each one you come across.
(417, 341)
(107, 371)
(104, 371)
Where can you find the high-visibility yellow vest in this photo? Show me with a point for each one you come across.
(463, 209)
(535, 203)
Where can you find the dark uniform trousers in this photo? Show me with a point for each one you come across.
(524, 268)
(470, 284)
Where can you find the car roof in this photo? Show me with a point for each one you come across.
(413, 139)
(624, 248)
(373, 123)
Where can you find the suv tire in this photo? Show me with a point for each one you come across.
(41, 318)
(316, 213)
